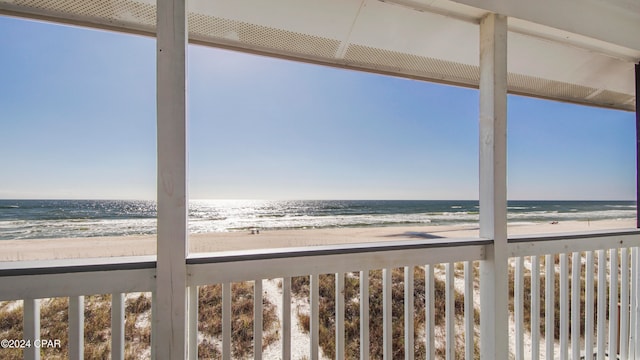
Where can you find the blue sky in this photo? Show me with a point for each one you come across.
(77, 120)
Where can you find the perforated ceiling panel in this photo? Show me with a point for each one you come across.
(118, 13)
(214, 29)
(368, 35)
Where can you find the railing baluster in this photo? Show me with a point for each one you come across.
(117, 326)
(340, 316)
(589, 304)
(613, 303)
(450, 312)
(286, 318)
(549, 302)
(364, 315)
(76, 328)
(602, 303)
(193, 323)
(226, 321)
(564, 307)
(468, 311)
(31, 326)
(624, 304)
(535, 308)
(632, 304)
(315, 315)
(408, 313)
(430, 313)
(633, 315)
(575, 305)
(154, 313)
(636, 309)
(257, 319)
(518, 307)
(387, 318)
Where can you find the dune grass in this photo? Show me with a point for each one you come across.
(97, 332)
(300, 289)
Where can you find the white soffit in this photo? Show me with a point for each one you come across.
(433, 40)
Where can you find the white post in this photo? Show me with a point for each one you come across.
(172, 243)
(494, 299)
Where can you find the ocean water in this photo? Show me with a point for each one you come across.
(33, 219)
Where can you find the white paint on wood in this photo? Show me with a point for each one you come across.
(154, 325)
(226, 321)
(636, 308)
(278, 267)
(494, 297)
(430, 312)
(576, 290)
(468, 311)
(450, 312)
(387, 317)
(314, 316)
(518, 296)
(408, 313)
(583, 242)
(564, 307)
(549, 305)
(76, 328)
(364, 315)
(589, 305)
(613, 302)
(535, 308)
(193, 323)
(286, 318)
(31, 327)
(117, 326)
(172, 241)
(602, 304)
(339, 320)
(257, 319)
(76, 284)
(624, 304)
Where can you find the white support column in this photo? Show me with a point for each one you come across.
(494, 300)
(172, 243)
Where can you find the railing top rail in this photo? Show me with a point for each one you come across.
(573, 242)
(572, 235)
(65, 266)
(337, 249)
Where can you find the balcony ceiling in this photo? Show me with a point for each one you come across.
(580, 51)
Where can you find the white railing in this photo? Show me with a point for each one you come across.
(31, 281)
(227, 268)
(613, 322)
(618, 287)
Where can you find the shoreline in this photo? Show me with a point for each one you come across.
(95, 247)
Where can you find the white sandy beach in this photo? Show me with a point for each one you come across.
(42, 249)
